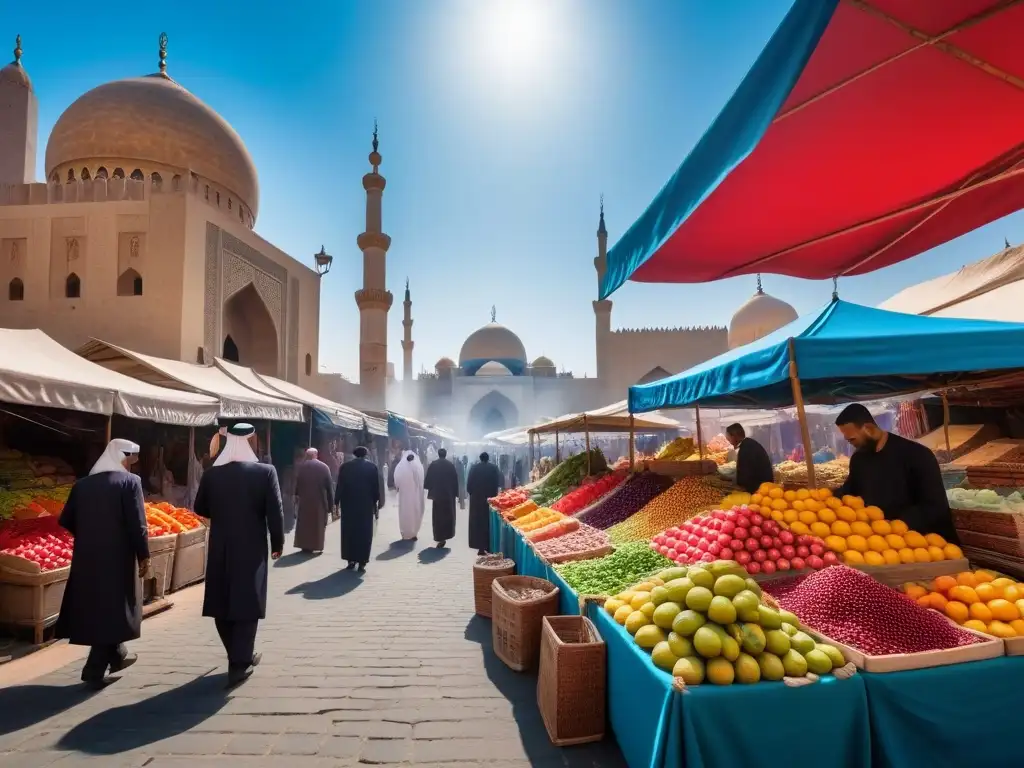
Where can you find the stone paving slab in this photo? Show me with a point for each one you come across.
(386, 668)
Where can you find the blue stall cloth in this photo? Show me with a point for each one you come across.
(960, 715)
(843, 352)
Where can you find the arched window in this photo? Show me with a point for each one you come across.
(309, 364)
(71, 175)
(129, 283)
(119, 173)
(176, 183)
(229, 203)
(207, 191)
(86, 175)
(73, 287)
(241, 214)
(230, 350)
(157, 180)
(16, 290)
(218, 198)
(137, 175)
(101, 173)
(55, 178)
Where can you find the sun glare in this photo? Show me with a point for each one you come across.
(515, 38)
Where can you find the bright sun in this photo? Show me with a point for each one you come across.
(515, 38)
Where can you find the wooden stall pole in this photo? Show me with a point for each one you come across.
(586, 437)
(269, 454)
(558, 457)
(310, 445)
(700, 433)
(110, 426)
(632, 438)
(945, 426)
(798, 400)
(531, 450)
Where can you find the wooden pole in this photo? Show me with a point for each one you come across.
(700, 433)
(632, 439)
(531, 450)
(945, 426)
(586, 437)
(269, 453)
(110, 426)
(798, 400)
(558, 457)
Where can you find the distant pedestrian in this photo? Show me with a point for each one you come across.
(409, 481)
(316, 499)
(483, 483)
(242, 500)
(359, 500)
(442, 485)
(460, 468)
(102, 604)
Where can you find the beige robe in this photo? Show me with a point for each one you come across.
(315, 496)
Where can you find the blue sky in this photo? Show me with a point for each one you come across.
(499, 130)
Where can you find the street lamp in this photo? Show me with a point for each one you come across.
(323, 261)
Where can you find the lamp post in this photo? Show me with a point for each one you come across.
(323, 261)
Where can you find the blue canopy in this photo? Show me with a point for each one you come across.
(843, 352)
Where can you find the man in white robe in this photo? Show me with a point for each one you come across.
(409, 482)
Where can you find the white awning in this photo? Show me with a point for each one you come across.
(236, 400)
(36, 370)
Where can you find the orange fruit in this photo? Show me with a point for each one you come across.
(936, 553)
(874, 514)
(826, 515)
(871, 557)
(862, 516)
(764, 488)
(965, 579)
(980, 612)
(841, 528)
(906, 555)
(861, 529)
(833, 503)
(789, 495)
(824, 493)
(1012, 592)
(921, 555)
(775, 493)
(846, 514)
(878, 543)
(924, 602)
(899, 527)
(1003, 610)
(815, 506)
(937, 601)
(781, 505)
(881, 527)
(987, 592)
(943, 584)
(915, 539)
(957, 611)
(790, 516)
(892, 557)
(800, 528)
(1003, 582)
(777, 515)
(1001, 629)
(914, 590)
(836, 543)
(755, 498)
(934, 540)
(977, 626)
(854, 502)
(858, 543)
(803, 493)
(1020, 606)
(1018, 626)
(807, 518)
(821, 530)
(982, 576)
(895, 541)
(953, 552)
(755, 507)
(853, 557)
(965, 595)
(798, 505)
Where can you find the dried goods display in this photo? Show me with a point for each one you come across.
(553, 530)
(623, 463)
(19, 471)
(636, 492)
(719, 457)
(612, 573)
(978, 600)
(588, 493)
(40, 543)
(677, 450)
(985, 499)
(521, 510)
(852, 608)
(832, 473)
(685, 499)
(537, 519)
(708, 624)
(582, 544)
(859, 533)
(494, 561)
(508, 499)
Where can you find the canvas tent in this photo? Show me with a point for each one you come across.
(35, 370)
(610, 418)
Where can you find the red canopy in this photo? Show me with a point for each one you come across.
(905, 130)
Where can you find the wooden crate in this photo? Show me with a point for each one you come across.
(996, 476)
(890, 575)
(161, 566)
(678, 469)
(989, 648)
(1009, 524)
(189, 564)
(30, 597)
(982, 558)
(1000, 545)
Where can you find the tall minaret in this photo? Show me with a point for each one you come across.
(602, 309)
(407, 341)
(373, 299)
(19, 118)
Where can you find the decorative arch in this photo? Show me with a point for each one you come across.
(176, 182)
(72, 287)
(16, 290)
(129, 283)
(119, 173)
(101, 173)
(71, 175)
(138, 175)
(655, 374)
(156, 180)
(230, 351)
(250, 326)
(86, 176)
(492, 413)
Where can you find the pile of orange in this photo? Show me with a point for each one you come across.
(859, 534)
(978, 600)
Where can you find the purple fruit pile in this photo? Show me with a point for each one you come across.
(634, 494)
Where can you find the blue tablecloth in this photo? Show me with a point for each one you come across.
(507, 541)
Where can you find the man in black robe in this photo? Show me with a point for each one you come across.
(242, 500)
(753, 466)
(359, 499)
(899, 476)
(442, 486)
(102, 605)
(483, 483)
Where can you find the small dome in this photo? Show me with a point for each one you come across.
(761, 315)
(444, 362)
(15, 73)
(493, 342)
(153, 120)
(542, 362)
(493, 369)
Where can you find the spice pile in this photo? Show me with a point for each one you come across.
(852, 608)
(522, 594)
(628, 500)
(494, 561)
(612, 573)
(831, 473)
(582, 544)
(685, 499)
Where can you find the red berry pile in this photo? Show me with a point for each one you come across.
(41, 541)
(588, 493)
(851, 607)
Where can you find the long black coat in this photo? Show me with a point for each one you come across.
(359, 497)
(442, 486)
(103, 598)
(484, 481)
(243, 503)
(753, 466)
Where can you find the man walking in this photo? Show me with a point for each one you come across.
(242, 500)
(483, 483)
(442, 485)
(359, 499)
(316, 498)
(409, 481)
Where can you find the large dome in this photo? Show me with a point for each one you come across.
(761, 315)
(153, 120)
(494, 342)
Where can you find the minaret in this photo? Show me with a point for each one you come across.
(602, 309)
(407, 341)
(19, 122)
(373, 299)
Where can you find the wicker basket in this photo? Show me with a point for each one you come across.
(483, 575)
(571, 681)
(516, 624)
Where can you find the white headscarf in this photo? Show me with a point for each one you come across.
(115, 453)
(238, 449)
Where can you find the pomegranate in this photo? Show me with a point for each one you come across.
(798, 563)
(726, 553)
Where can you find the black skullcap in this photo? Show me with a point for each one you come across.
(359, 452)
(242, 430)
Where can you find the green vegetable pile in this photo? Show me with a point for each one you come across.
(609, 575)
(568, 475)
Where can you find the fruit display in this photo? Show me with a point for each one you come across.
(686, 498)
(33, 502)
(164, 519)
(719, 457)
(41, 543)
(19, 471)
(850, 607)
(553, 530)
(859, 534)
(623, 463)
(758, 544)
(521, 510)
(584, 543)
(508, 499)
(829, 473)
(985, 499)
(978, 600)
(634, 494)
(568, 475)
(537, 519)
(588, 493)
(708, 624)
(676, 450)
(612, 573)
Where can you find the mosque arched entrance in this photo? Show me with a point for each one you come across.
(492, 413)
(250, 329)
(655, 374)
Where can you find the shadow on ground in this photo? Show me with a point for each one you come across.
(520, 688)
(294, 558)
(26, 705)
(397, 549)
(334, 585)
(141, 723)
(433, 555)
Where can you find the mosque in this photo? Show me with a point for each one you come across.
(143, 235)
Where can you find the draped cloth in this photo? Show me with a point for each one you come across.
(115, 453)
(442, 485)
(409, 482)
(358, 496)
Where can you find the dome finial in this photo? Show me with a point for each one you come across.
(163, 54)
(601, 230)
(760, 290)
(375, 142)
(17, 50)
(494, 314)
(1006, 242)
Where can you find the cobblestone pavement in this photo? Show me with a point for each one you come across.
(388, 667)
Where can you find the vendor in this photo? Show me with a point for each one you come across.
(753, 466)
(899, 476)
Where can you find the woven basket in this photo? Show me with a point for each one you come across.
(516, 624)
(483, 575)
(571, 681)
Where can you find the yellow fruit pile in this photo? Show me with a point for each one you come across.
(977, 600)
(858, 533)
(537, 519)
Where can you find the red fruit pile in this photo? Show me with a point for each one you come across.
(757, 543)
(41, 541)
(505, 500)
(588, 493)
(851, 607)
